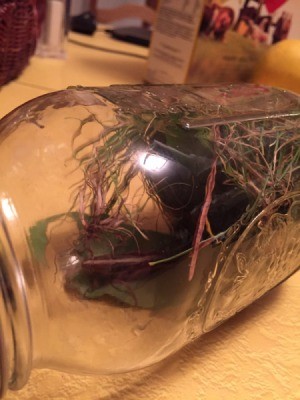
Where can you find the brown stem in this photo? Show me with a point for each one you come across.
(210, 184)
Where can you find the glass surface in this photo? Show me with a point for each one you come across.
(151, 214)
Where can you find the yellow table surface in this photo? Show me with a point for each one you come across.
(255, 355)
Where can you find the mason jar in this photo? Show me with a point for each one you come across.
(135, 218)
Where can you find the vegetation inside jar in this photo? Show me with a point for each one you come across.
(202, 186)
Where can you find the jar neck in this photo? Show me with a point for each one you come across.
(15, 327)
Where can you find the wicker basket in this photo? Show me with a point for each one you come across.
(19, 29)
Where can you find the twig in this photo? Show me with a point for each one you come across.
(210, 184)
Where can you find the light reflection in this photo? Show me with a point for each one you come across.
(152, 162)
(8, 209)
(73, 260)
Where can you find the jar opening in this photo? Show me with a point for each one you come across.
(5, 334)
(15, 332)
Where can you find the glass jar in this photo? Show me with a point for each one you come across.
(135, 218)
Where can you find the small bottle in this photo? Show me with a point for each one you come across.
(54, 30)
(135, 218)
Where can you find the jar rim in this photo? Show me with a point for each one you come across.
(5, 336)
(15, 330)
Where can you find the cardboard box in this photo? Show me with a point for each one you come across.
(198, 41)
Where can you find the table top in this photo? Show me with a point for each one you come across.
(90, 61)
(254, 355)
